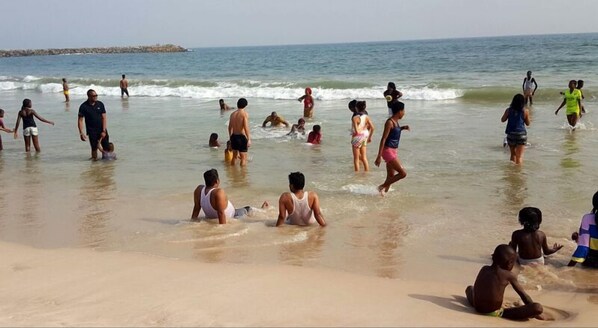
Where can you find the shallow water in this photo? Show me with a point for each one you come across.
(460, 198)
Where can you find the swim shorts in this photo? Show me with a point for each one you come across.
(238, 142)
(498, 313)
(517, 139)
(389, 154)
(359, 140)
(66, 92)
(30, 131)
(94, 137)
(241, 212)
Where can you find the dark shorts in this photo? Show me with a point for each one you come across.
(123, 91)
(94, 137)
(238, 142)
(517, 139)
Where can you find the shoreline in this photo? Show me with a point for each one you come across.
(83, 287)
(158, 48)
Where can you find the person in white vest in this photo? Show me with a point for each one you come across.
(213, 200)
(299, 207)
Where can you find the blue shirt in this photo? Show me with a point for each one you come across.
(515, 123)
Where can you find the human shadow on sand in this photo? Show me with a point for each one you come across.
(456, 303)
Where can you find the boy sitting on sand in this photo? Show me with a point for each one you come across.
(530, 241)
(486, 295)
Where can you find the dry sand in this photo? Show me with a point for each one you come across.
(83, 287)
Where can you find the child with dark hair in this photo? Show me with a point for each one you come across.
(487, 293)
(530, 241)
(2, 127)
(297, 128)
(314, 137)
(27, 115)
(391, 94)
(517, 117)
(579, 86)
(213, 142)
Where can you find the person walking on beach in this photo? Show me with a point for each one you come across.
(518, 117)
(27, 114)
(124, 87)
(389, 144)
(573, 101)
(308, 103)
(529, 87)
(362, 130)
(2, 127)
(299, 207)
(65, 90)
(238, 132)
(213, 200)
(391, 94)
(96, 125)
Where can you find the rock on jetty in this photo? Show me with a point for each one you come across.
(109, 50)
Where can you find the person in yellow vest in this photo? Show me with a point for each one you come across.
(573, 101)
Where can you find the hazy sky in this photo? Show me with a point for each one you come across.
(207, 23)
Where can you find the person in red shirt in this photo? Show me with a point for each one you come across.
(314, 136)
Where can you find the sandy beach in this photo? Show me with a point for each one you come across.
(82, 287)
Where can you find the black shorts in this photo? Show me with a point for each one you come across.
(238, 142)
(94, 137)
(517, 139)
(123, 91)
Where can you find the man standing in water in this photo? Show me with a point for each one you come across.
(94, 114)
(238, 132)
(529, 88)
(124, 87)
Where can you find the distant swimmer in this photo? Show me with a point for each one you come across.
(213, 200)
(573, 102)
(275, 120)
(391, 94)
(213, 142)
(299, 207)
(389, 144)
(529, 88)
(517, 118)
(27, 114)
(124, 87)
(224, 106)
(238, 132)
(308, 103)
(65, 90)
(298, 128)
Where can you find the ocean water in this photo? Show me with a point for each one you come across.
(459, 200)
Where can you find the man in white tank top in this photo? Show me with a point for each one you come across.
(213, 200)
(299, 207)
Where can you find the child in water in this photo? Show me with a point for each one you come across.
(314, 136)
(308, 103)
(2, 127)
(228, 153)
(214, 140)
(298, 128)
(27, 115)
(108, 154)
(389, 144)
(487, 293)
(530, 241)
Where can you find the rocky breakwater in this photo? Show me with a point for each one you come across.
(109, 50)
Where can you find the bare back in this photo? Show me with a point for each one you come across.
(528, 243)
(489, 289)
(239, 122)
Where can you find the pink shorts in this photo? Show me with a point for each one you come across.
(389, 154)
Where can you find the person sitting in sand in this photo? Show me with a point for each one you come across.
(530, 241)
(107, 154)
(212, 199)
(298, 128)
(299, 207)
(213, 142)
(487, 293)
(315, 137)
(224, 106)
(275, 120)
(586, 252)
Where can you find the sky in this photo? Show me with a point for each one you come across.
(38, 24)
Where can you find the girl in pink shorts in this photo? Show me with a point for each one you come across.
(389, 143)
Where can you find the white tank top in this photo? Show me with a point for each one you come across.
(529, 85)
(207, 208)
(361, 126)
(302, 215)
